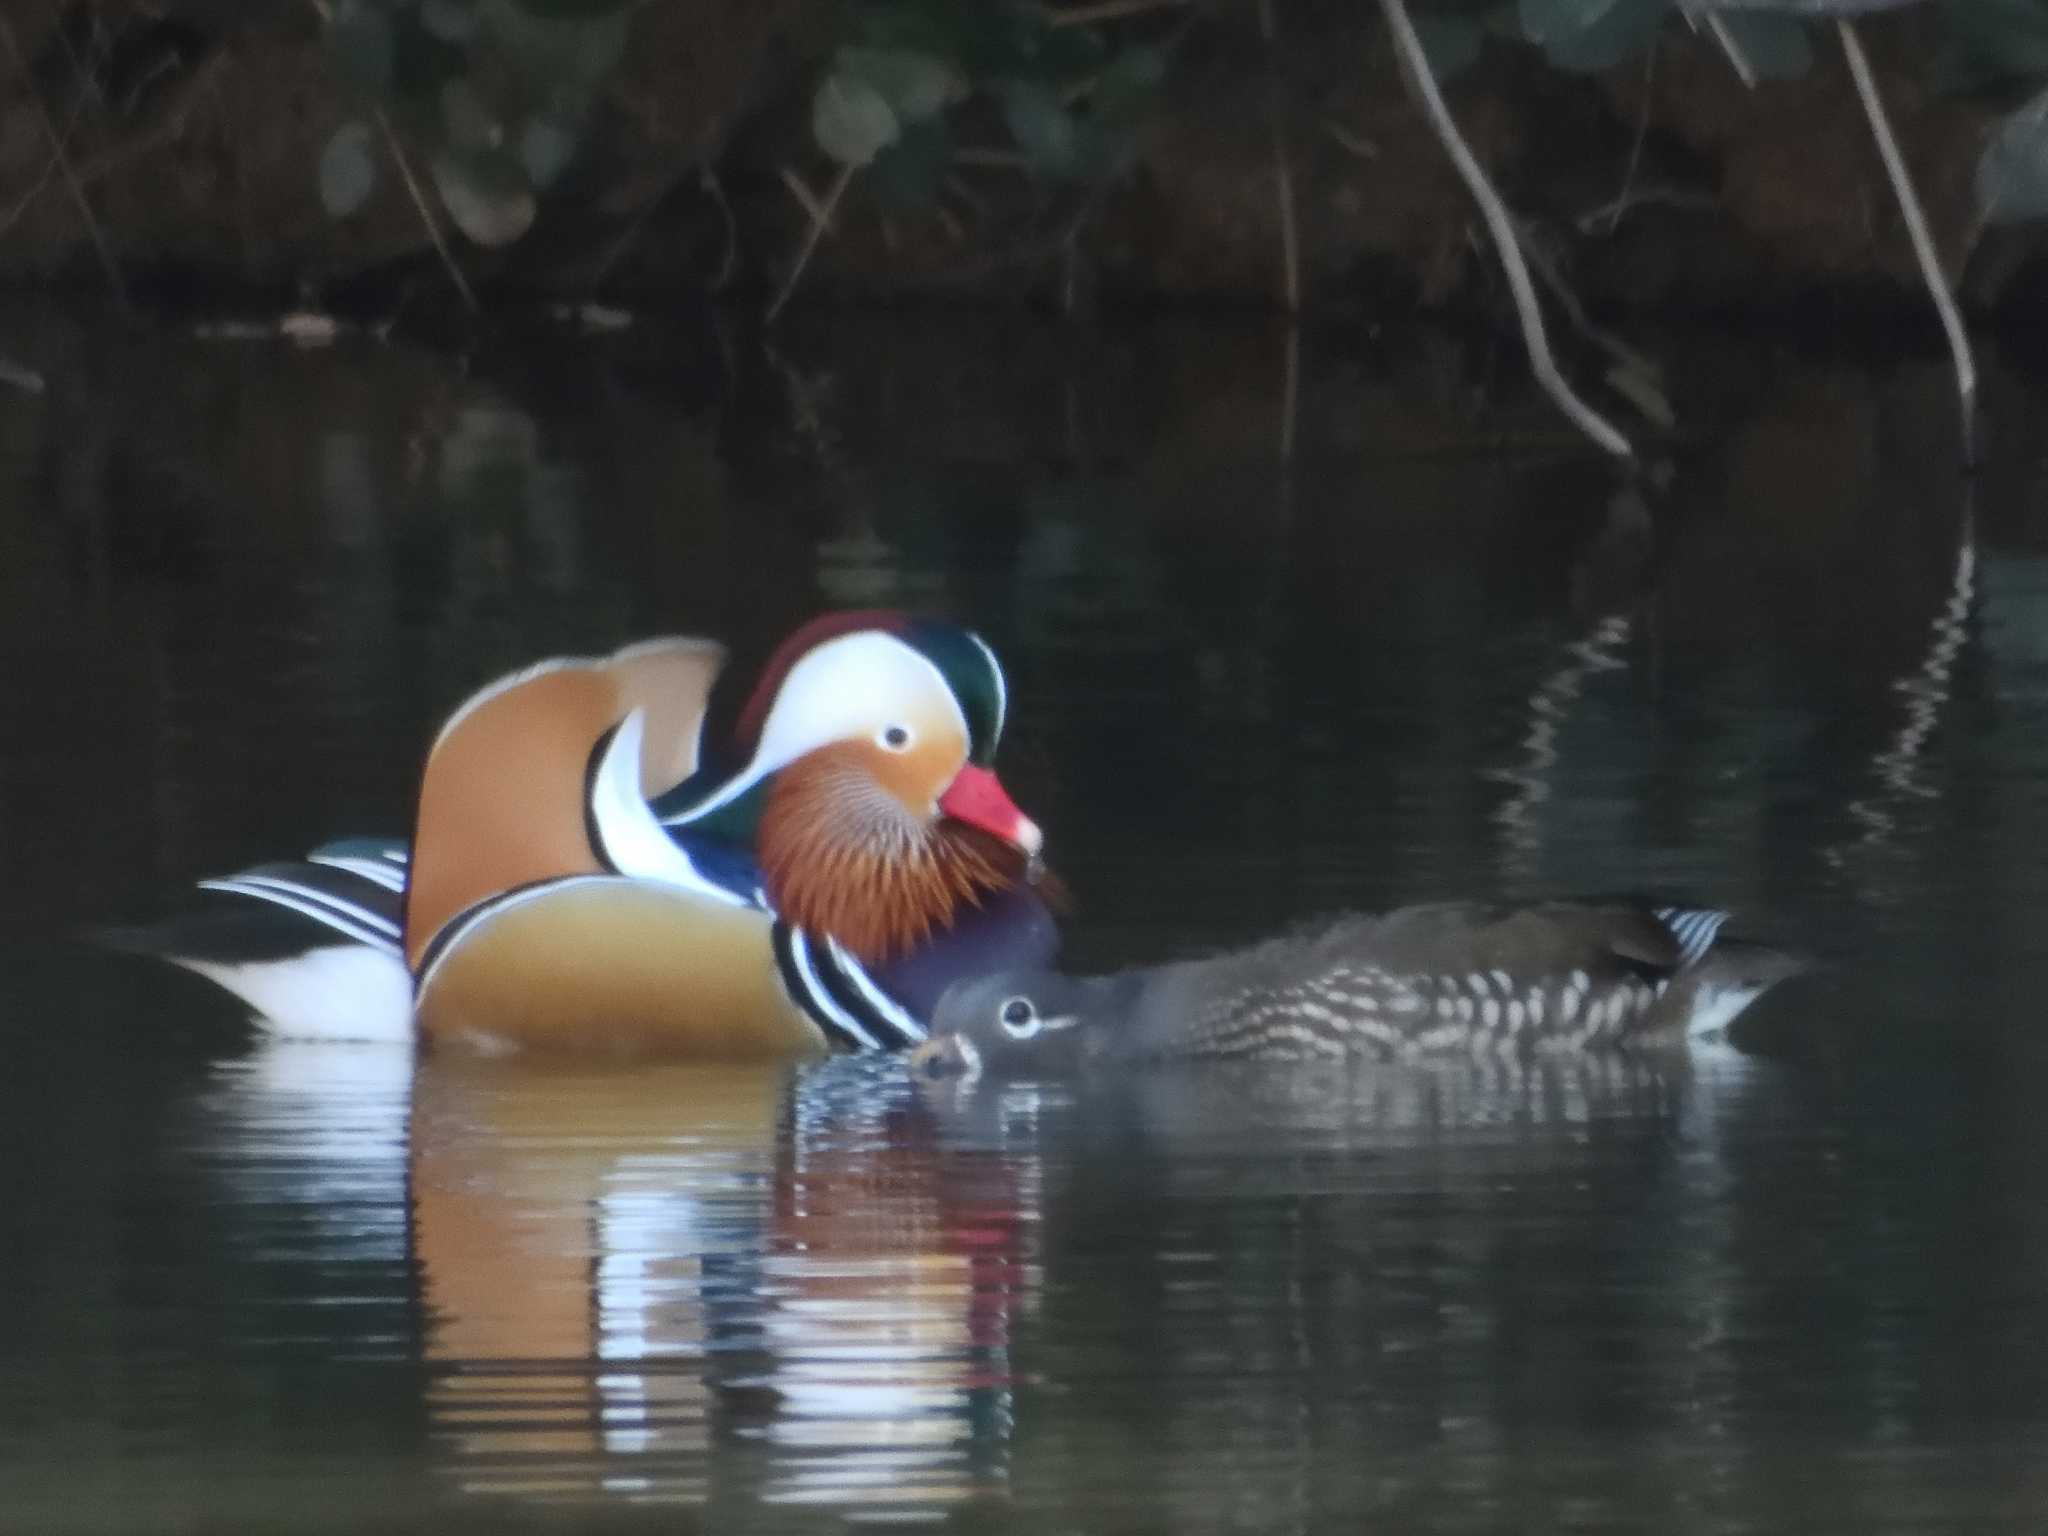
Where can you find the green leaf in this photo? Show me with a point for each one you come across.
(1815, 7)
(2012, 173)
(565, 57)
(1062, 54)
(1774, 47)
(1450, 41)
(1545, 21)
(1128, 87)
(850, 120)
(1592, 35)
(906, 175)
(1043, 128)
(575, 10)
(914, 84)
(485, 194)
(468, 119)
(359, 42)
(1996, 40)
(453, 21)
(348, 169)
(422, 59)
(545, 149)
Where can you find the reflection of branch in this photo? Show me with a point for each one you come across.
(1549, 707)
(1916, 226)
(1925, 690)
(1501, 227)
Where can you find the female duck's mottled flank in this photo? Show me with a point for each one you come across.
(1425, 980)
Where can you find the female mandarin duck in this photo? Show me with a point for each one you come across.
(1422, 981)
(592, 869)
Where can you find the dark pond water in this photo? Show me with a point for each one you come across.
(1802, 1286)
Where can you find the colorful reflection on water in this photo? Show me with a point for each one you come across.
(1799, 671)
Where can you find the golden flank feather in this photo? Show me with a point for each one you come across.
(845, 855)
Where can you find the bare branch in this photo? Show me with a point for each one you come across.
(821, 219)
(115, 280)
(1916, 226)
(419, 201)
(1501, 227)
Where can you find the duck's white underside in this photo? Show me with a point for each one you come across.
(337, 992)
(1716, 1008)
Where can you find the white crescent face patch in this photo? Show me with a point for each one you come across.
(855, 687)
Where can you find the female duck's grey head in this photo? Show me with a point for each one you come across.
(1011, 1024)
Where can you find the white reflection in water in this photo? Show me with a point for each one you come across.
(320, 1128)
(683, 1283)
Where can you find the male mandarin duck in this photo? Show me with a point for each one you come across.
(596, 866)
(1418, 982)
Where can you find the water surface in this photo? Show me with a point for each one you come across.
(1795, 1286)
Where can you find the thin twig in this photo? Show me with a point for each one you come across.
(28, 198)
(1916, 226)
(1348, 141)
(1283, 170)
(976, 203)
(1642, 197)
(812, 205)
(1501, 227)
(821, 218)
(419, 201)
(63, 157)
(1737, 59)
(1106, 10)
(1629, 362)
(169, 127)
(1635, 149)
(729, 258)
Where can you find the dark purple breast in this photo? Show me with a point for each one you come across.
(1013, 931)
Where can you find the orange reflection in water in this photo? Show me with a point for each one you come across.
(688, 1283)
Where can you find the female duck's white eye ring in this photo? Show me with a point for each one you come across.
(896, 738)
(1019, 1019)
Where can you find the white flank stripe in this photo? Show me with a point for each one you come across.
(883, 1004)
(800, 951)
(341, 906)
(376, 871)
(375, 936)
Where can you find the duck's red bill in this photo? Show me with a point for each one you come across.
(977, 797)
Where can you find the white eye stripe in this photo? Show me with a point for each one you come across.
(1019, 1018)
(1064, 1021)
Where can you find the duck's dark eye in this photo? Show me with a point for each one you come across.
(1019, 1018)
(896, 738)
